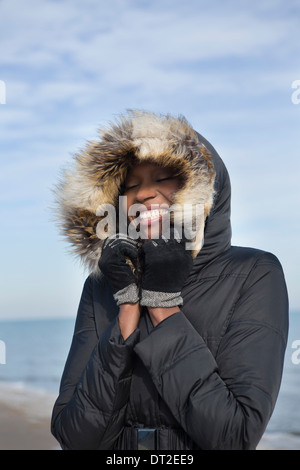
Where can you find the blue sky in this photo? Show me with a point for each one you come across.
(70, 66)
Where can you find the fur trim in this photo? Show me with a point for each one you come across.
(99, 171)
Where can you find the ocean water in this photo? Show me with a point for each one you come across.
(36, 351)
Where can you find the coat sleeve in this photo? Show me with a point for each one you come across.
(225, 402)
(90, 408)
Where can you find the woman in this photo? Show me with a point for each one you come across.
(173, 348)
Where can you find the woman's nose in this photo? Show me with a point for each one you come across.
(145, 192)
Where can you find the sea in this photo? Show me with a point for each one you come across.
(33, 355)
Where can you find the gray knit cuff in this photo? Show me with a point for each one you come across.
(160, 299)
(130, 295)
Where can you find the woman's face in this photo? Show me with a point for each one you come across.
(152, 187)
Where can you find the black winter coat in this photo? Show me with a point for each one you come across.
(206, 378)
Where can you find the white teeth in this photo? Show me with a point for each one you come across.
(152, 214)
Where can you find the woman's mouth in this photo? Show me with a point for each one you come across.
(151, 216)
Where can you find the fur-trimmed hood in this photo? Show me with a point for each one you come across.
(98, 172)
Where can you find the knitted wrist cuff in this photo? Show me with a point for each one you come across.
(160, 299)
(130, 295)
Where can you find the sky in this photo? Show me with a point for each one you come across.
(69, 67)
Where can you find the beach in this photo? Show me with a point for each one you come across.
(25, 422)
(25, 419)
(29, 384)
(17, 432)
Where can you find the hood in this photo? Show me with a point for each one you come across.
(217, 232)
(97, 174)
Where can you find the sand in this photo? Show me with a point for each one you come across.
(18, 433)
(25, 417)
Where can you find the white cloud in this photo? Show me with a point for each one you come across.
(121, 36)
(70, 66)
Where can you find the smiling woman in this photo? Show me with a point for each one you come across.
(152, 187)
(186, 344)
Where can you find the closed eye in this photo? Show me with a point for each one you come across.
(132, 186)
(164, 179)
(127, 188)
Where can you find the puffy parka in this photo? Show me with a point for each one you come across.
(208, 376)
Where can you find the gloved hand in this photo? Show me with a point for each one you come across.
(167, 264)
(119, 274)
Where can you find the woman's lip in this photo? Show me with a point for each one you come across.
(150, 221)
(154, 207)
(150, 215)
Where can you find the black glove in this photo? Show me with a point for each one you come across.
(167, 265)
(116, 269)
